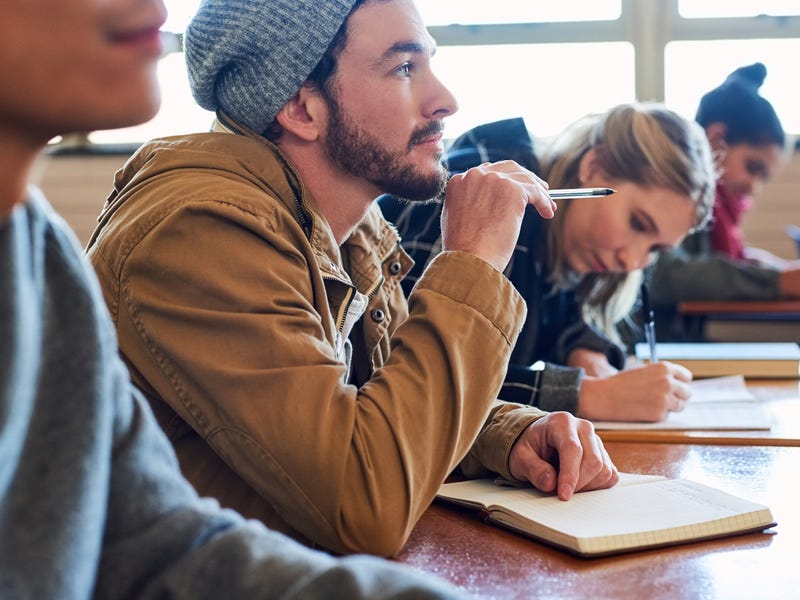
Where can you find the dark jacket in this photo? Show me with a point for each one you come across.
(692, 272)
(553, 327)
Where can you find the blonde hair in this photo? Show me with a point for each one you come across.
(643, 143)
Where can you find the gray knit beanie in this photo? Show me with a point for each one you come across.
(249, 57)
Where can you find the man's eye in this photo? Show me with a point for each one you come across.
(404, 70)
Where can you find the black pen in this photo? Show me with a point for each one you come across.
(580, 193)
(649, 324)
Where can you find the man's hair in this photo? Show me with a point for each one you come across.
(320, 78)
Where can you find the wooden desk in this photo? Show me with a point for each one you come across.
(742, 320)
(489, 562)
(781, 398)
(786, 310)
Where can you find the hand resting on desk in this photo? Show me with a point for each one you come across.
(571, 444)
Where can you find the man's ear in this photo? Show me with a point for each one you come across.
(715, 133)
(304, 114)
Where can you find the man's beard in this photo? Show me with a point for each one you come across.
(361, 154)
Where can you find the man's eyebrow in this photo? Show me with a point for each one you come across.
(405, 48)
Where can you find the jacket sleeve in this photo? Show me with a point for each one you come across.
(678, 276)
(234, 344)
(489, 455)
(556, 388)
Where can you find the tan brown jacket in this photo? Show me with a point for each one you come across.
(233, 303)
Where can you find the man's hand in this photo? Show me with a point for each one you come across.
(562, 453)
(484, 206)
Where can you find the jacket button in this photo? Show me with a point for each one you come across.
(395, 268)
(377, 315)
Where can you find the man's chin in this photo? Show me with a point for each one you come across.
(417, 198)
(417, 188)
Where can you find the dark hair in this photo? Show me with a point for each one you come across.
(748, 117)
(320, 77)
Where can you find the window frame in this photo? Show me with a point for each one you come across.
(648, 25)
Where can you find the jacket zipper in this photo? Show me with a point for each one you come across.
(345, 305)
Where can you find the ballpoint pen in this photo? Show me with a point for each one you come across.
(649, 324)
(580, 193)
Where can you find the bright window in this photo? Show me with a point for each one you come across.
(719, 57)
(550, 85)
(737, 8)
(470, 12)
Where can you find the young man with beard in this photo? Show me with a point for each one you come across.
(256, 288)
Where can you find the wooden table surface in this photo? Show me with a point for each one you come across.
(489, 562)
(782, 309)
(780, 398)
(741, 321)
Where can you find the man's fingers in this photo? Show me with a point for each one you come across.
(592, 467)
(563, 454)
(600, 473)
(542, 475)
(567, 444)
(534, 188)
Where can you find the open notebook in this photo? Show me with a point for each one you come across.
(642, 511)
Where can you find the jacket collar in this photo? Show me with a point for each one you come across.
(370, 243)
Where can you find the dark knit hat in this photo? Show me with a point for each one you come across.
(249, 57)
(748, 117)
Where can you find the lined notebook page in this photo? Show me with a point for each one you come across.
(641, 511)
(659, 505)
(731, 388)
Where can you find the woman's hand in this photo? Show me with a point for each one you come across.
(640, 393)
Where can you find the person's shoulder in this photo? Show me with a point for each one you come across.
(46, 224)
(204, 148)
(507, 139)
